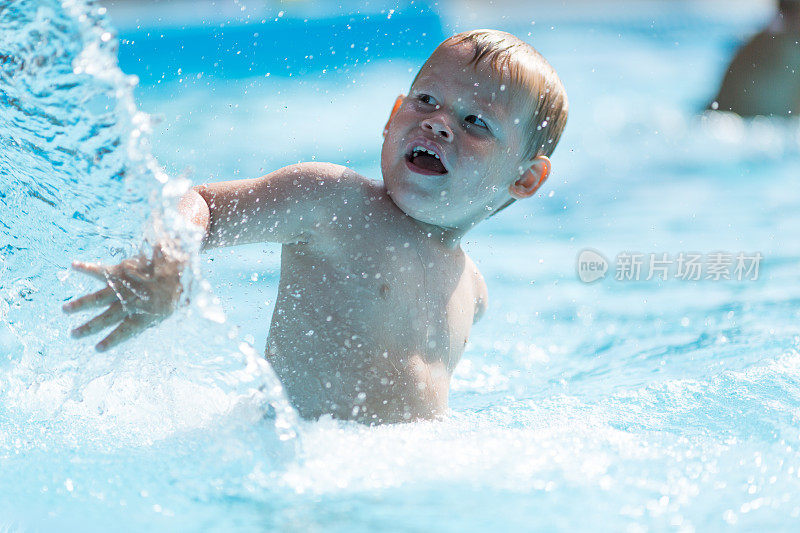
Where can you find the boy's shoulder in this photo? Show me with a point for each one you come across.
(334, 175)
(340, 192)
(338, 185)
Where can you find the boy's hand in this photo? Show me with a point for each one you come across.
(139, 292)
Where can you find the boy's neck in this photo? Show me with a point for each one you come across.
(450, 238)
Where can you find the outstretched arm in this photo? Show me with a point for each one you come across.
(291, 205)
(283, 206)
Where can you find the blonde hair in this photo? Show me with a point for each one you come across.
(531, 76)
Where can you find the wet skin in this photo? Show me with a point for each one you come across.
(376, 297)
(372, 312)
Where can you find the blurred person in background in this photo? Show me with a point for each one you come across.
(764, 76)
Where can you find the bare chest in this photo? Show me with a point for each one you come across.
(391, 299)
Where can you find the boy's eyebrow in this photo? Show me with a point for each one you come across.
(489, 108)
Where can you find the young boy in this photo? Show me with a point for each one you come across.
(376, 297)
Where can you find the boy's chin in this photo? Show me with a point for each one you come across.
(415, 207)
(422, 211)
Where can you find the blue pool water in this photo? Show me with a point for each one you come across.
(616, 405)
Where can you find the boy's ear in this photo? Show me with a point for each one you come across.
(531, 179)
(397, 103)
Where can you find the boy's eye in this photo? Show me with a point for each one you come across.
(476, 121)
(426, 99)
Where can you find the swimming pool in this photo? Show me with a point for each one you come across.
(618, 404)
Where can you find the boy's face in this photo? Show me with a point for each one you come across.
(473, 125)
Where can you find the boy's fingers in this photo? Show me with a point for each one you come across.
(129, 327)
(158, 253)
(96, 299)
(91, 269)
(138, 276)
(110, 316)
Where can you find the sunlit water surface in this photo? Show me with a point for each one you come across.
(613, 405)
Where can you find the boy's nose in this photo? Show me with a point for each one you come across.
(438, 127)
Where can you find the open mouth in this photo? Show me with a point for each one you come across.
(425, 161)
